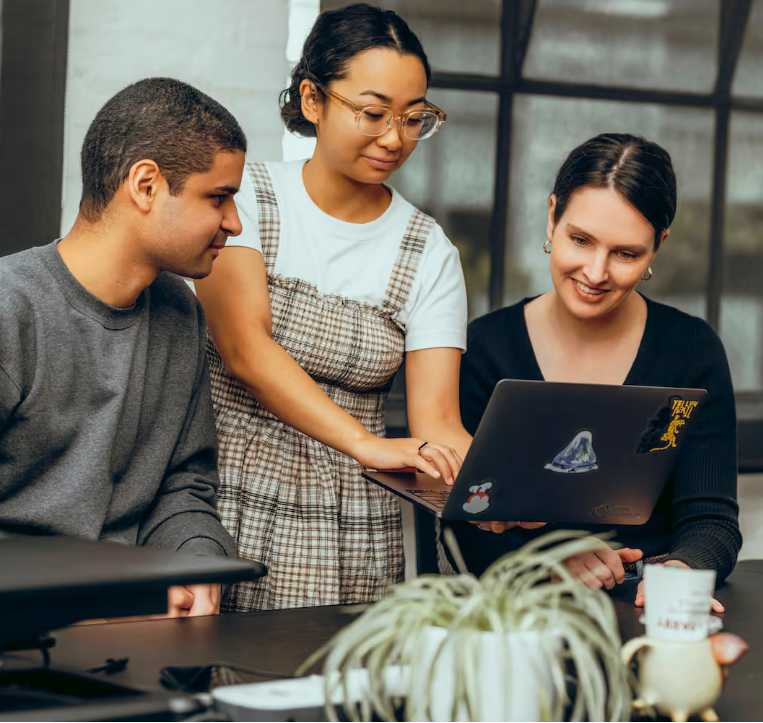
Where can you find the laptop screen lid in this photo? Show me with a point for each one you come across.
(574, 453)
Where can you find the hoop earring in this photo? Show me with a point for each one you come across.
(647, 274)
(547, 246)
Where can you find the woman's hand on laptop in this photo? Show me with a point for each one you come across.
(500, 527)
(603, 568)
(382, 453)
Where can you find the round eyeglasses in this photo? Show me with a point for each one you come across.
(417, 124)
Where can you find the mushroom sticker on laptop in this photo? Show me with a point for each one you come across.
(479, 497)
(578, 456)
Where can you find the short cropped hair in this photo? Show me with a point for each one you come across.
(165, 120)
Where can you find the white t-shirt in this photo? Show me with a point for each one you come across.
(355, 260)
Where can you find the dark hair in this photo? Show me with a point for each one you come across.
(336, 37)
(639, 170)
(165, 120)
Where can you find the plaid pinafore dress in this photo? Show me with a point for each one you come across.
(326, 535)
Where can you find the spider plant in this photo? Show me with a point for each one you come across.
(526, 590)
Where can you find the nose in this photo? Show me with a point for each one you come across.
(231, 222)
(391, 140)
(596, 270)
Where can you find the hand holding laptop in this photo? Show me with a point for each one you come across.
(500, 527)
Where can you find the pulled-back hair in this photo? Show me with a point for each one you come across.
(639, 170)
(165, 120)
(337, 37)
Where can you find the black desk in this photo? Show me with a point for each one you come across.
(280, 640)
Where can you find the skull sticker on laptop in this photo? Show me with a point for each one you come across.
(479, 497)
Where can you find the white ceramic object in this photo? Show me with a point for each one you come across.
(511, 675)
(680, 678)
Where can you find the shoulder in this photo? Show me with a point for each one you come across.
(282, 175)
(24, 282)
(438, 250)
(681, 332)
(27, 293)
(497, 323)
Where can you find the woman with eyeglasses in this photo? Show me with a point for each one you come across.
(610, 211)
(335, 281)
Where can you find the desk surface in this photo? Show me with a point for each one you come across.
(281, 640)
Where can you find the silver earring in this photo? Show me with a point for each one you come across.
(647, 274)
(547, 246)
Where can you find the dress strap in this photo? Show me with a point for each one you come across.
(267, 212)
(404, 270)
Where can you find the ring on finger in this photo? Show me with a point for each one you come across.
(422, 445)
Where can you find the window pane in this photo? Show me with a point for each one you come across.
(547, 129)
(457, 36)
(748, 79)
(451, 177)
(664, 44)
(742, 301)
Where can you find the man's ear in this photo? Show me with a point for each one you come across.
(310, 99)
(550, 219)
(142, 183)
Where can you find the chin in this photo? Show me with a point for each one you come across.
(583, 310)
(198, 271)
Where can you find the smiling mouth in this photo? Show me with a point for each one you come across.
(589, 290)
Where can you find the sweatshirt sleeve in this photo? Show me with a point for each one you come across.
(184, 516)
(705, 529)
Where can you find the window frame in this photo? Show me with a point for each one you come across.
(517, 19)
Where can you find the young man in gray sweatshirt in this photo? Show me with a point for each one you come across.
(106, 424)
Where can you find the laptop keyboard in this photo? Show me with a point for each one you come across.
(434, 497)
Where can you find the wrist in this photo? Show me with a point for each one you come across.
(358, 440)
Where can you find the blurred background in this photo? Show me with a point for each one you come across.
(523, 82)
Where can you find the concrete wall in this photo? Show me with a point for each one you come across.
(232, 50)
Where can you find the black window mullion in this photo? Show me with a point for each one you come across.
(499, 216)
(734, 15)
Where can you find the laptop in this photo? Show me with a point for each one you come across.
(561, 452)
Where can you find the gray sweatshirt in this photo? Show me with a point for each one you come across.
(106, 425)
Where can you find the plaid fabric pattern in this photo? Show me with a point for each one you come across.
(302, 508)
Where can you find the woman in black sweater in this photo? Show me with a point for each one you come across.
(612, 205)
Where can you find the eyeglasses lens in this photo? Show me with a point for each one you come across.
(416, 126)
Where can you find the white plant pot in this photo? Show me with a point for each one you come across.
(512, 678)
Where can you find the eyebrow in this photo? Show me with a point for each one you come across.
(231, 190)
(387, 99)
(572, 228)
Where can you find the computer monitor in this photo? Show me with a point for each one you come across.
(50, 582)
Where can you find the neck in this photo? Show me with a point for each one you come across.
(102, 257)
(340, 196)
(587, 332)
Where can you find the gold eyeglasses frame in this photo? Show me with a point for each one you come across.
(442, 116)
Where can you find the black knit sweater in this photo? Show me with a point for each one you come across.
(695, 519)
